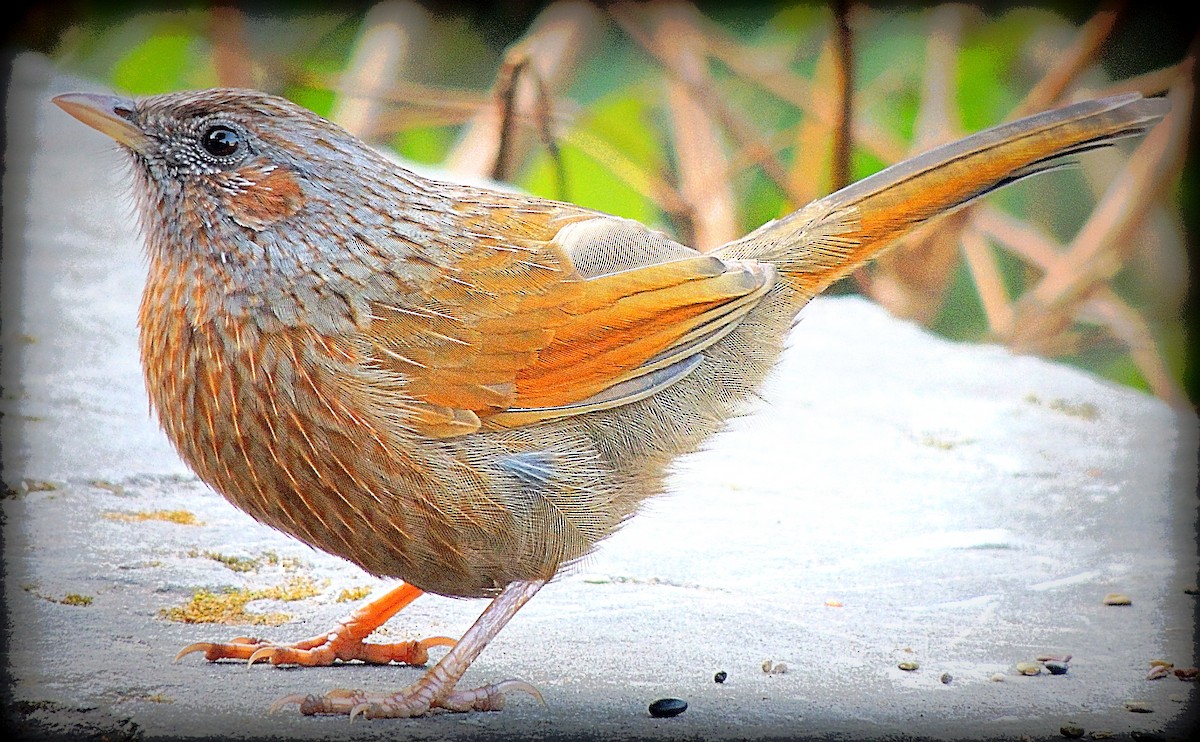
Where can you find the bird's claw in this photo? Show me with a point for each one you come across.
(412, 701)
(214, 651)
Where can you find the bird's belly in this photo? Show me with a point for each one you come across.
(263, 425)
(265, 421)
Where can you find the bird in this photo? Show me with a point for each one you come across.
(461, 388)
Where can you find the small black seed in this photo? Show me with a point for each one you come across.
(667, 707)
(1071, 731)
(946, 678)
(1056, 668)
(720, 677)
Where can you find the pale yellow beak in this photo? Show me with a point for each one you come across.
(108, 114)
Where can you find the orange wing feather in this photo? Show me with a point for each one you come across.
(512, 333)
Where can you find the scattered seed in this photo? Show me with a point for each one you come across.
(767, 665)
(1084, 410)
(779, 669)
(1102, 734)
(229, 606)
(1158, 672)
(1029, 668)
(998, 677)
(1056, 668)
(946, 678)
(182, 517)
(1053, 658)
(1192, 590)
(352, 594)
(908, 665)
(1138, 707)
(1071, 731)
(1117, 599)
(1186, 673)
(37, 485)
(1162, 663)
(664, 708)
(116, 489)
(720, 677)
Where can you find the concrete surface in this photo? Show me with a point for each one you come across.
(968, 508)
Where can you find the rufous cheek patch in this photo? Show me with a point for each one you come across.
(263, 198)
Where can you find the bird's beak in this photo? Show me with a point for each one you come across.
(107, 114)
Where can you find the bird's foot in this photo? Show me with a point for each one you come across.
(418, 699)
(345, 642)
(436, 688)
(317, 651)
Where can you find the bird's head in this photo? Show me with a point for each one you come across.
(225, 155)
(278, 206)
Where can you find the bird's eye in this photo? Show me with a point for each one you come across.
(220, 140)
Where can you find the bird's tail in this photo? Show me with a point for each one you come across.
(829, 238)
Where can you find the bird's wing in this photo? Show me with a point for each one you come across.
(514, 332)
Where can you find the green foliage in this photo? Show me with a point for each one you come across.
(161, 63)
(426, 144)
(962, 316)
(988, 68)
(588, 184)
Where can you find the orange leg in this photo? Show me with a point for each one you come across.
(436, 689)
(344, 642)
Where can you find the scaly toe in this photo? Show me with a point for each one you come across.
(234, 649)
(487, 697)
(339, 701)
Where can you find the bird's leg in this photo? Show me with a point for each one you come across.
(344, 642)
(436, 689)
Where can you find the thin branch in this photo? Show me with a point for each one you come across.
(913, 281)
(1127, 325)
(1071, 62)
(652, 187)
(506, 102)
(1154, 82)
(231, 55)
(798, 91)
(989, 283)
(378, 57)
(737, 126)
(1098, 249)
(699, 153)
(843, 47)
(1018, 237)
(553, 45)
(544, 114)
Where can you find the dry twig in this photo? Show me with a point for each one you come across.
(380, 53)
(231, 55)
(552, 48)
(844, 90)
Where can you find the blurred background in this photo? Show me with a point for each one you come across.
(706, 120)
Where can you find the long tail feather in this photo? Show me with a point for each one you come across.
(829, 238)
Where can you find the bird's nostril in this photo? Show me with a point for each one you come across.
(124, 112)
